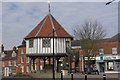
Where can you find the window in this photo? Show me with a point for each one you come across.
(22, 68)
(46, 43)
(114, 50)
(3, 64)
(110, 65)
(22, 51)
(22, 59)
(13, 54)
(101, 51)
(15, 63)
(90, 52)
(14, 70)
(30, 43)
(27, 60)
(27, 68)
(10, 63)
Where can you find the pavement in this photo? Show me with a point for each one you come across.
(76, 76)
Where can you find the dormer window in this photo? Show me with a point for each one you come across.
(13, 54)
(31, 43)
(46, 42)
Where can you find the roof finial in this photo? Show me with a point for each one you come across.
(49, 6)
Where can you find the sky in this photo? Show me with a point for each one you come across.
(20, 18)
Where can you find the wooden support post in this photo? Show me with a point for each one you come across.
(57, 64)
(30, 65)
(34, 64)
(49, 61)
(44, 62)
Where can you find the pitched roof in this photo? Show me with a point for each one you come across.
(8, 55)
(115, 38)
(46, 26)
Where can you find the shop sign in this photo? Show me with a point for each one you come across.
(110, 57)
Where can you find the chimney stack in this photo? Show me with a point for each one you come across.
(2, 48)
(14, 48)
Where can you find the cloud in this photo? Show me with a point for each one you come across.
(20, 18)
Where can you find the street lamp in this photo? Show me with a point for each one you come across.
(109, 2)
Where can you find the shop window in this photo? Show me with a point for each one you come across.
(110, 65)
(101, 51)
(10, 63)
(46, 42)
(114, 50)
(31, 43)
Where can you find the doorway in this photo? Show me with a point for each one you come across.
(102, 67)
(6, 71)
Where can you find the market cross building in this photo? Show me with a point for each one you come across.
(39, 42)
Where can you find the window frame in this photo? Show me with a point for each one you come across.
(114, 50)
(22, 59)
(101, 51)
(46, 43)
(10, 63)
(27, 59)
(22, 51)
(15, 63)
(31, 43)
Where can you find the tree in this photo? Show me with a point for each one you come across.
(88, 34)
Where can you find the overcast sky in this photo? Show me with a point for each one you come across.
(19, 18)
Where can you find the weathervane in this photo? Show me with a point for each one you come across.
(49, 6)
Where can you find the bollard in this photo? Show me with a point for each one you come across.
(85, 76)
(71, 76)
(104, 76)
(61, 76)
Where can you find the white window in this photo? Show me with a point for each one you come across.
(27, 60)
(13, 54)
(90, 52)
(46, 42)
(3, 64)
(14, 70)
(101, 51)
(22, 68)
(31, 43)
(27, 69)
(10, 63)
(22, 51)
(22, 59)
(15, 63)
(114, 50)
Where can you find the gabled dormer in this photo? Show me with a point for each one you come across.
(3, 55)
(14, 54)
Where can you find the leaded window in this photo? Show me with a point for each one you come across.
(46, 42)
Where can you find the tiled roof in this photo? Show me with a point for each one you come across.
(8, 55)
(46, 26)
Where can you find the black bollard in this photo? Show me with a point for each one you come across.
(85, 76)
(71, 76)
(104, 76)
(61, 76)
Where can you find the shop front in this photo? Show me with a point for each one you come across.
(108, 63)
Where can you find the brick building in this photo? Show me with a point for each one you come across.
(108, 55)
(9, 61)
